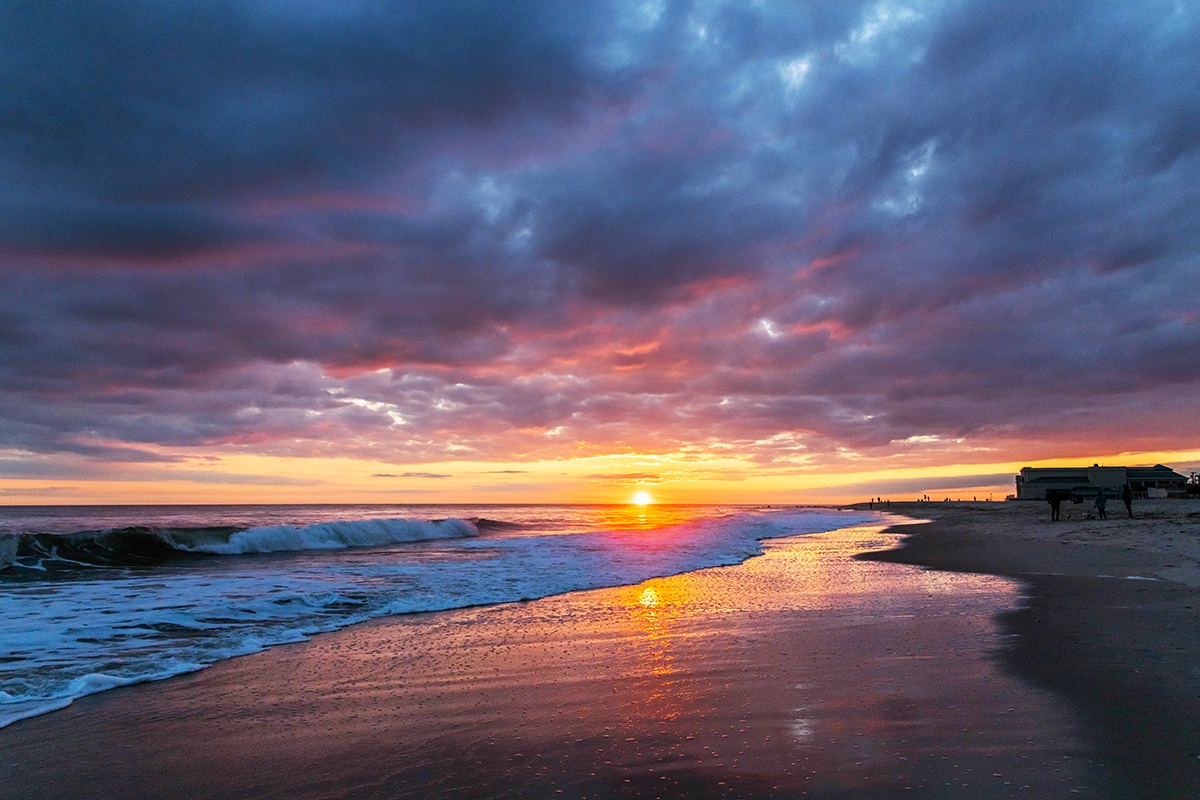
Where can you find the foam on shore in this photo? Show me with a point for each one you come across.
(77, 631)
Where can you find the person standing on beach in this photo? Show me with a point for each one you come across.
(1127, 499)
(1101, 502)
(1054, 499)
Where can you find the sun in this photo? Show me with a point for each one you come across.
(642, 499)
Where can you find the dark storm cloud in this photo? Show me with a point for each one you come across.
(140, 232)
(146, 98)
(522, 230)
(130, 127)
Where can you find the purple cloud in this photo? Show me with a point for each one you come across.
(538, 232)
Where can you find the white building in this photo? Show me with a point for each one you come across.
(1144, 482)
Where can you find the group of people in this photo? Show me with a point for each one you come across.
(1055, 498)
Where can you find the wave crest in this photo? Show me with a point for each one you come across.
(142, 546)
(335, 536)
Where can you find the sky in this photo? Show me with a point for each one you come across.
(465, 251)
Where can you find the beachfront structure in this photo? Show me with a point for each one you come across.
(1144, 482)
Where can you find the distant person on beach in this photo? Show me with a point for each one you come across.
(1127, 499)
(1055, 500)
(1101, 502)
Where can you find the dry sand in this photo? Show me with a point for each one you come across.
(1111, 622)
(805, 672)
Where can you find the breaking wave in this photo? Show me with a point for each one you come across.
(74, 633)
(143, 546)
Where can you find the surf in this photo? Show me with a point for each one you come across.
(86, 611)
(135, 546)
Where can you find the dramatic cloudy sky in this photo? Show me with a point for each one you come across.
(300, 249)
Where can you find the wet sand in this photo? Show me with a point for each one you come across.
(1111, 623)
(803, 673)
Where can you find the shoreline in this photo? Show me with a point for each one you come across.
(819, 669)
(1111, 620)
(803, 672)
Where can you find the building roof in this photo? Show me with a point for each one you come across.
(1156, 473)
(1067, 474)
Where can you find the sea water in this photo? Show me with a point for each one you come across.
(97, 597)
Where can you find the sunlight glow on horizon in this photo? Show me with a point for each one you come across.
(688, 478)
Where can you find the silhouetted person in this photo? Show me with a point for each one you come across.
(1055, 500)
(1127, 499)
(1101, 502)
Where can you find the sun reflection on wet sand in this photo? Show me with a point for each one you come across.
(654, 617)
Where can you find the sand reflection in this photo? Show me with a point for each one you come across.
(654, 609)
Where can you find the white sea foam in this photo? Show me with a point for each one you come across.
(334, 536)
(66, 638)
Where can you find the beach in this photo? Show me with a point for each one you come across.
(1034, 660)
(1109, 623)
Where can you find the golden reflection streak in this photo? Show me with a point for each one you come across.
(654, 608)
(641, 518)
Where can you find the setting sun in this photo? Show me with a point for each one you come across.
(642, 498)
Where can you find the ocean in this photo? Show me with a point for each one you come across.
(92, 598)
